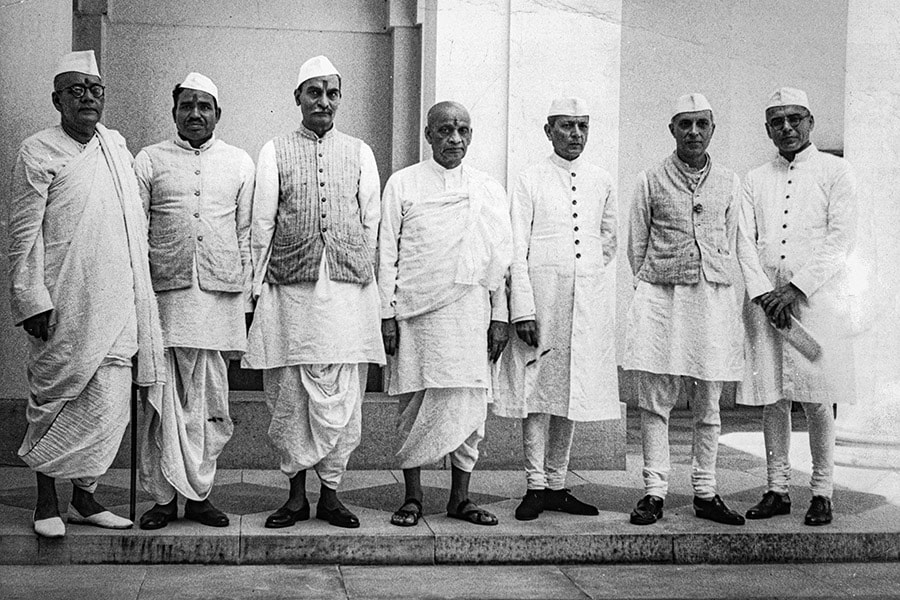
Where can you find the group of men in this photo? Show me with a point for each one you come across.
(157, 271)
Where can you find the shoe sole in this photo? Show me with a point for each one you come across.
(642, 521)
(759, 516)
(198, 519)
(714, 520)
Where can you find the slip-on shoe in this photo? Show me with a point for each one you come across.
(49, 528)
(104, 519)
(563, 501)
(713, 509)
(285, 517)
(205, 514)
(338, 516)
(159, 516)
(819, 512)
(772, 504)
(649, 510)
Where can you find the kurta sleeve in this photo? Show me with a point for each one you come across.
(243, 224)
(369, 196)
(265, 209)
(840, 236)
(755, 278)
(639, 225)
(388, 246)
(521, 294)
(28, 201)
(609, 226)
(143, 170)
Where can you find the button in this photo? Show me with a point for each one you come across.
(321, 170)
(199, 238)
(578, 256)
(197, 172)
(784, 226)
(698, 208)
(573, 174)
(324, 200)
(196, 215)
(789, 180)
(322, 184)
(320, 141)
(197, 193)
(785, 211)
(324, 229)
(320, 155)
(577, 242)
(574, 201)
(573, 188)
(574, 215)
(324, 215)
(782, 257)
(788, 196)
(576, 228)
(784, 241)
(197, 152)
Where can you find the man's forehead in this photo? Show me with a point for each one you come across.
(788, 109)
(696, 115)
(71, 77)
(190, 94)
(573, 118)
(326, 82)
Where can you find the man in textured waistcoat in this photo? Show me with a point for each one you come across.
(798, 228)
(444, 248)
(684, 324)
(197, 191)
(316, 325)
(561, 366)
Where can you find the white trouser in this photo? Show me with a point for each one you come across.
(657, 396)
(777, 432)
(547, 440)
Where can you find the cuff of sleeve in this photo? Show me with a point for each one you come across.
(30, 303)
(530, 317)
(758, 288)
(804, 284)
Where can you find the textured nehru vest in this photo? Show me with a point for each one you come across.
(318, 210)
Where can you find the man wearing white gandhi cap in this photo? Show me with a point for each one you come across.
(197, 191)
(797, 229)
(79, 280)
(316, 210)
(560, 367)
(684, 325)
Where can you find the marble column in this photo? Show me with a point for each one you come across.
(868, 434)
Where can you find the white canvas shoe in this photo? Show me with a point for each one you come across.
(103, 519)
(49, 528)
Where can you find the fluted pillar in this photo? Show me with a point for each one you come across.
(868, 434)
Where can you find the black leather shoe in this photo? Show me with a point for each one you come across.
(715, 510)
(159, 516)
(772, 504)
(649, 510)
(563, 501)
(532, 505)
(205, 513)
(339, 517)
(819, 512)
(285, 517)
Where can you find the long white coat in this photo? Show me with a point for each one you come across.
(798, 224)
(564, 240)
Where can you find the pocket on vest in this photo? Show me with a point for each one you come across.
(170, 261)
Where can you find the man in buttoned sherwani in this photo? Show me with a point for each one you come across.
(197, 191)
(316, 210)
(561, 369)
(684, 324)
(798, 226)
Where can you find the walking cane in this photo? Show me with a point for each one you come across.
(132, 500)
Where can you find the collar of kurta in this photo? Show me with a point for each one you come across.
(312, 135)
(804, 155)
(568, 165)
(187, 145)
(690, 171)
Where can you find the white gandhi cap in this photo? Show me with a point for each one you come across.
(317, 66)
(568, 107)
(691, 103)
(787, 96)
(202, 83)
(78, 62)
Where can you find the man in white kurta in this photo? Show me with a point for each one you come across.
(560, 367)
(798, 226)
(197, 191)
(316, 324)
(684, 327)
(444, 246)
(80, 287)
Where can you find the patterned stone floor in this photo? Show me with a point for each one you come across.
(866, 526)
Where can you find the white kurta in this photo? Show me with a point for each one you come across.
(689, 330)
(798, 225)
(562, 276)
(316, 322)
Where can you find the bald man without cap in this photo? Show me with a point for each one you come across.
(684, 325)
(445, 245)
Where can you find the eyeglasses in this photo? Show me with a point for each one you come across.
(79, 90)
(792, 120)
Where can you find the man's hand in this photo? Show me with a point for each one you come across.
(780, 304)
(498, 335)
(390, 335)
(528, 332)
(38, 326)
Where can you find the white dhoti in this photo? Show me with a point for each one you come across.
(78, 439)
(185, 426)
(316, 416)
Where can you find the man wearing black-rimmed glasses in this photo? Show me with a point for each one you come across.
(797, 229)
(80, 288)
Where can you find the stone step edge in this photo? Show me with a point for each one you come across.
(433, 549)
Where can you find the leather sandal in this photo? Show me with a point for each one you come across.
(401, 516)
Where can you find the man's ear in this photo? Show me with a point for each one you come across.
(55, 99)
(428, 135)
(547, 131)
(672, 128)
(218, 113)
